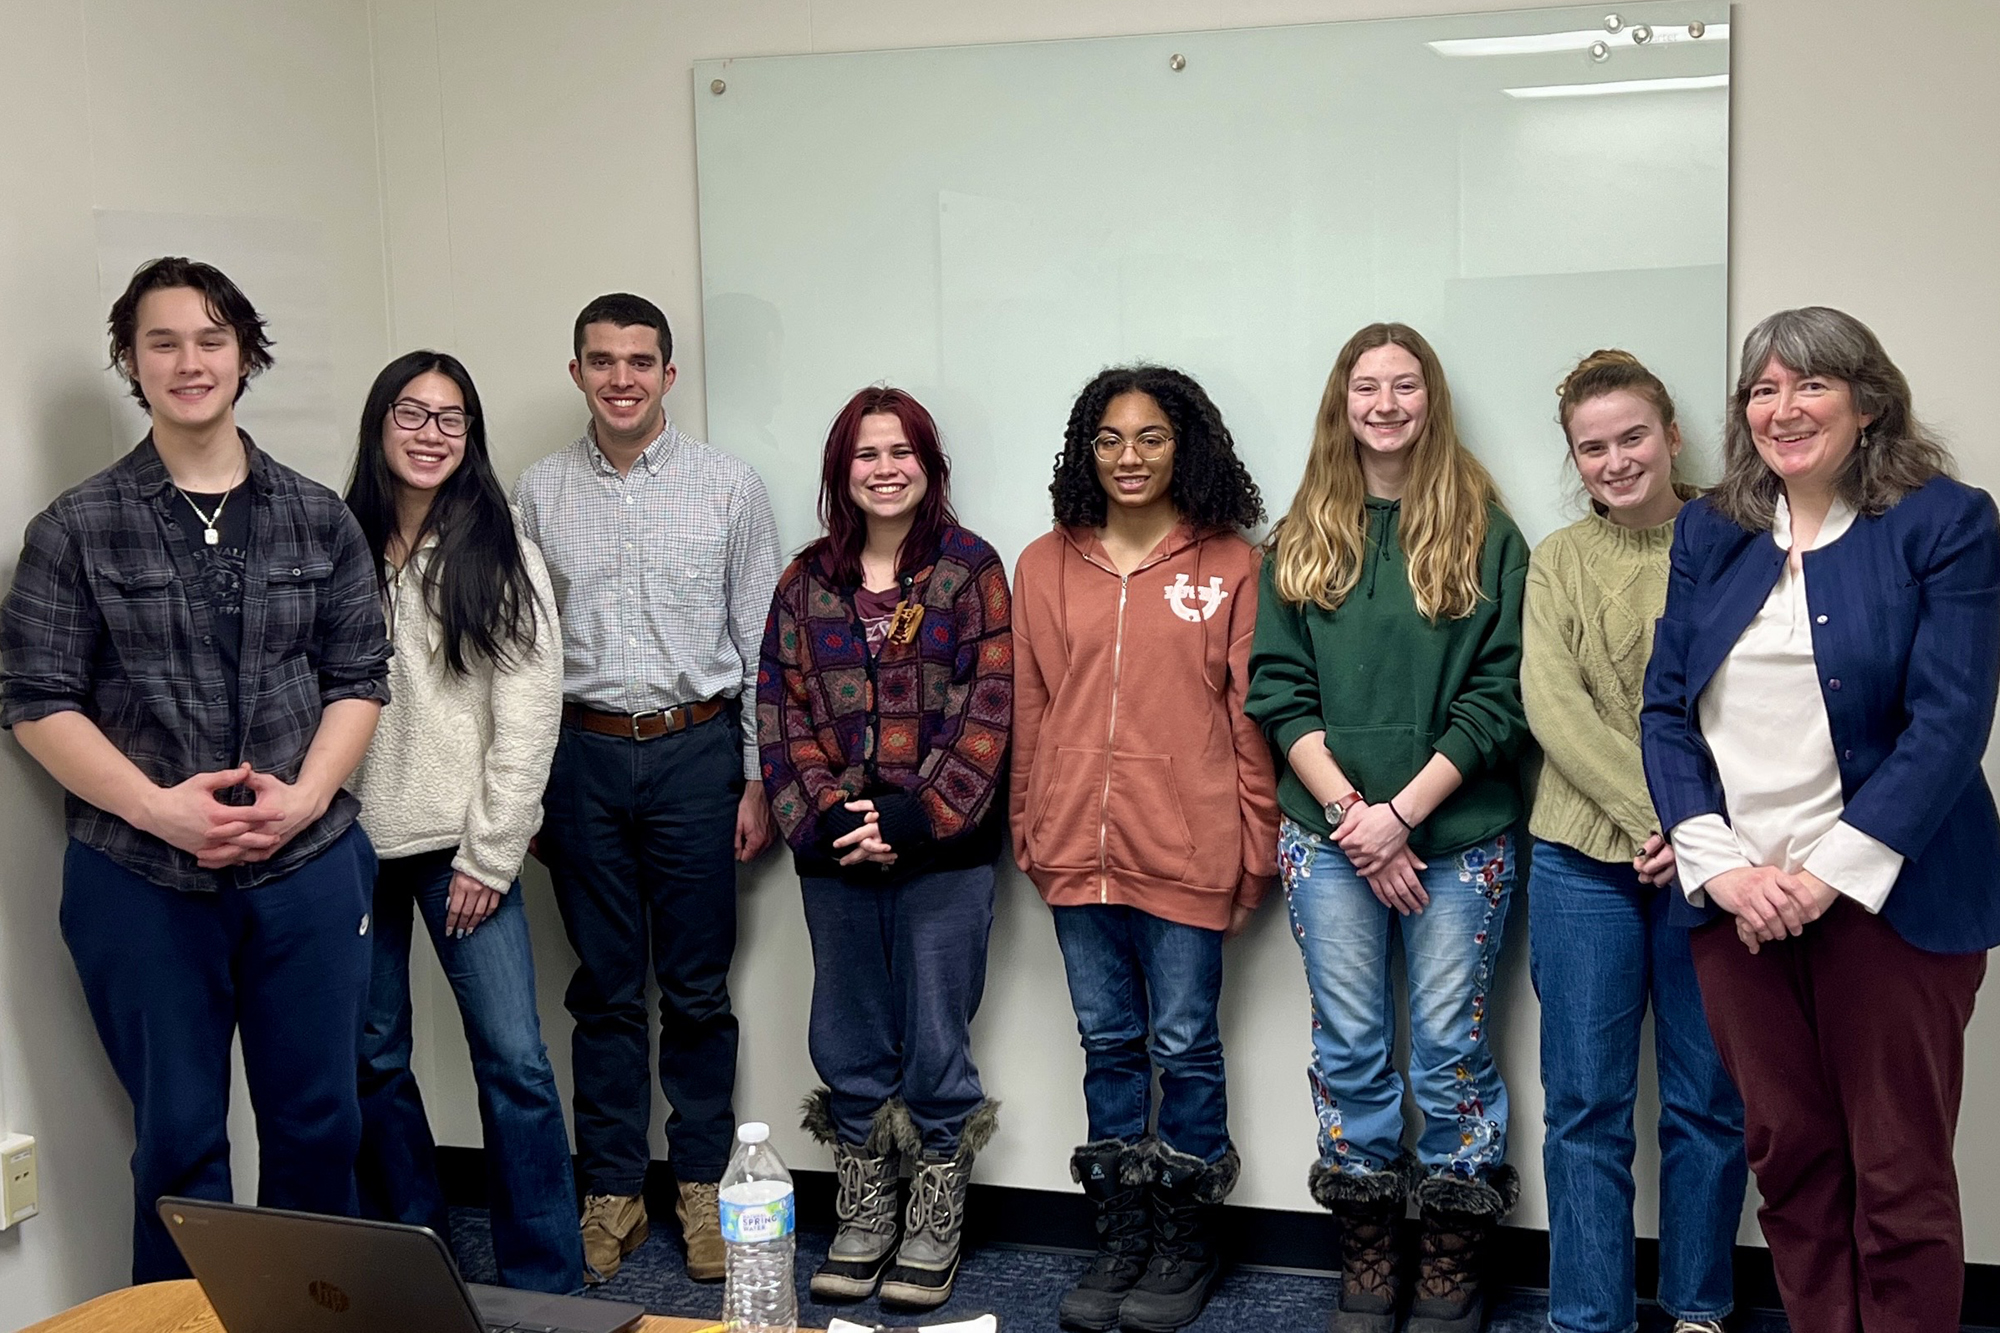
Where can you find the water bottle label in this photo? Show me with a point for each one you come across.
(754, 1222)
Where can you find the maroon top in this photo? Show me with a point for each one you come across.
(876, 610)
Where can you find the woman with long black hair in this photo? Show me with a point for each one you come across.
(450, 794)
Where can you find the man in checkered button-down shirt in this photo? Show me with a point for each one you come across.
(194, 648)
(664, 556)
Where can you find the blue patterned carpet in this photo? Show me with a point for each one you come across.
(1022, 1287)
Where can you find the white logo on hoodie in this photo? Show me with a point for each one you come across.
(1180, 592)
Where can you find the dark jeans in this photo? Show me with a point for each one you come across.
(1600, 949)
(529, 1188)
(897, 974)
(172, 977)
(1145, 992)
(640, 841)
(1849, 1045)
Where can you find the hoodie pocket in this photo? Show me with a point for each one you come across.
(1146, 829)
(1063, 834)
(1378, 760)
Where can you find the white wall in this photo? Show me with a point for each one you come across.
(231, 119)
(472, 170)
(567, 137)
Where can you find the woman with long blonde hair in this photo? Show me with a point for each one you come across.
(1386, 672)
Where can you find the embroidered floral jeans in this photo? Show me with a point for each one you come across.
(1450, 952)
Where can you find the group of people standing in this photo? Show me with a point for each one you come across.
(1760, 715)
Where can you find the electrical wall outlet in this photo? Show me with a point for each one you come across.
(19, 1193)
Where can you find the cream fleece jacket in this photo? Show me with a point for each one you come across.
(462, 760)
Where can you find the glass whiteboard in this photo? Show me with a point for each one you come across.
(988, 226)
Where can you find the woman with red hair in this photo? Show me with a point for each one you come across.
(884, 702)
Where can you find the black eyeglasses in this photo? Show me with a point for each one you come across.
(451, 421)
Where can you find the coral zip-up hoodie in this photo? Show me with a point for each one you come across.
(1137, 779)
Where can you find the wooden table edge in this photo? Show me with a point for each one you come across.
(179, 1307)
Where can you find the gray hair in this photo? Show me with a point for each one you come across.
(1896, 453)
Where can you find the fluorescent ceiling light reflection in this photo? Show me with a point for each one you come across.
(1544, 43)
(1613, 88)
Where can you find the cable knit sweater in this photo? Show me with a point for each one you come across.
(462, 760)
(1594, 591)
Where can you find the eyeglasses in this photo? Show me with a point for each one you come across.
(451, 421)
(1110, 446)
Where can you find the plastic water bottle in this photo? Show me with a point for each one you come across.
(758, 1225)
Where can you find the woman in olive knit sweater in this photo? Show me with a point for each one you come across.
(1603, 933)
(1386, 672)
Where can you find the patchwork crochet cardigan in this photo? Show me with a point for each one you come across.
(920, 728)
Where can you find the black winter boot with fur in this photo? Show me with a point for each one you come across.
(1186, 1262)
(1114, 1177)
(1459, 1215)
(1370, 1207)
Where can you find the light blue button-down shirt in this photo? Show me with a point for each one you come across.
(663, 577)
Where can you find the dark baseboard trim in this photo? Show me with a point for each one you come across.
(1260, 1237)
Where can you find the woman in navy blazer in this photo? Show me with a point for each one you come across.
(1817, 704)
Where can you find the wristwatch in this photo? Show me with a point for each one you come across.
(1335, 811)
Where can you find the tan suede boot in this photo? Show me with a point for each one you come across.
(614, 1225)
(701, 1230)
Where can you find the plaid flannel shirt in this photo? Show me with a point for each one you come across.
(105, 618)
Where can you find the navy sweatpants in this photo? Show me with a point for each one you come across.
(171, 977)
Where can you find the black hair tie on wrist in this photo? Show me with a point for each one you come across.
(1408, 827)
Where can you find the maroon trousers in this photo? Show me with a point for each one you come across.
(1848, 1045)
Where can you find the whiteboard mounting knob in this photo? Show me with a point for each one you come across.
(1641, 35)
(1612, 23)
(1600, 51)
(1696, 29)
(1176, 62)
(718, 87)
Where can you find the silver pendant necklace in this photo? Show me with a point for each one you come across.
(208, 521)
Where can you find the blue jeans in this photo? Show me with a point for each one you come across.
(172, 977)
(1600, 948)
(1145, 992)
(898, 971)
(1449, 952)
(529, 1187)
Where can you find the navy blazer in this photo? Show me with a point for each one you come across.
(1906, 636)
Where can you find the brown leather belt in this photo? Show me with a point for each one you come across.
(642, 726)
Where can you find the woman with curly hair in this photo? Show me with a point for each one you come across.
(1387, 674)
(1148, 821)
(883, 700)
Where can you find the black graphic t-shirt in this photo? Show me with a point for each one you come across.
(222, 566)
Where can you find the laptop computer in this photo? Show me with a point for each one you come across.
(266, 1270)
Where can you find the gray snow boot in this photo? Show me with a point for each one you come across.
(865, 1205)
(934, 1224)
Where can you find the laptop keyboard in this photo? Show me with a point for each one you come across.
(523, 1328)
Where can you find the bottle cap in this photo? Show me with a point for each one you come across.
(753, 1131)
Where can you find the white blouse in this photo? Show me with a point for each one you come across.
(1765, 723)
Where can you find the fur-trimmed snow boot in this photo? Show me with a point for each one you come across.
(865, 1204)
(1459, 1215)
(1113, 1174)
(1186, 1262)
(934, 1224)
(1370, 1207)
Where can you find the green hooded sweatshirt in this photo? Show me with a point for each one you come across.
(1390, 688)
